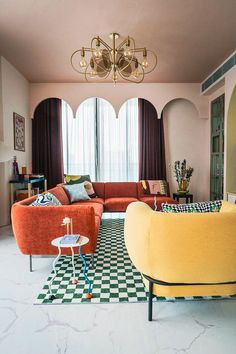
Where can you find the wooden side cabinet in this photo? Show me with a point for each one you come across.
(29, 183)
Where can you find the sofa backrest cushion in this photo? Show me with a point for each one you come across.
(99, 189)
(120, 189)
(60, 193)
(184, 248)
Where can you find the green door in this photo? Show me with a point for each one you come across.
(217, 148)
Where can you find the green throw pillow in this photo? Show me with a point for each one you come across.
(75, 179)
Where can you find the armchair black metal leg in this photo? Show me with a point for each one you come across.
(150, 297)
(30, 263)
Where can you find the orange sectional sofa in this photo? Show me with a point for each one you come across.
(35, 227)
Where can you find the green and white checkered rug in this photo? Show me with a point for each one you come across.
(114, 278)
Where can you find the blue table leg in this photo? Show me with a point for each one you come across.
(89, 295)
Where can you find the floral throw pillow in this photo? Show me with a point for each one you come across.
(46, 199)
(154, 187)
(89, 189)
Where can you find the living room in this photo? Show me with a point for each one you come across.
(153, 138)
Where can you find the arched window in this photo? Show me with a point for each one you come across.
(99, 144)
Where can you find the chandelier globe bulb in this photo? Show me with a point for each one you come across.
(97, 52)
(83, 63)
(145, 63)
(92, 74)
(136, 73)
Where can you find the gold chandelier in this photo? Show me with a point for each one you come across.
(124, 61)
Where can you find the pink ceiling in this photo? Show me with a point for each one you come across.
(190, 37)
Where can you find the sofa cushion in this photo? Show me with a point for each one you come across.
(118, 204)
(200, 207)
(159, 201)
(60, 193)
(98, 207)
(93, 201)
(76, 192)
(46, 199)
(120, 189)
(99, 188)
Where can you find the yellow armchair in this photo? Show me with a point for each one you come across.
(183, 254)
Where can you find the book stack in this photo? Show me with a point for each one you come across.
(70, 239)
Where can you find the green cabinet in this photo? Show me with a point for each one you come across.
(217, 148)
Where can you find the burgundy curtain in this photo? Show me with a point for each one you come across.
(152, 163)
(47, 154)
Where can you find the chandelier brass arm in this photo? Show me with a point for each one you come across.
(125, 60)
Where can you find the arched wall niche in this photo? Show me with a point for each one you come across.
(75, 113)
(77, 110)
(48, 98)
(231, 144)
(176, 100)
(186, 137)
(137, 98)
(158, 94)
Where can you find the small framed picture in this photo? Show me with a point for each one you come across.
(19, 132)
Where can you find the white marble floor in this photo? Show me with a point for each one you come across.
(186, 327)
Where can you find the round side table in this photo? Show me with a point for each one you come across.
(83, 240)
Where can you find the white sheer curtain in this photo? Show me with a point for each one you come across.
(79, 139)
(118, 148)
(99, 144)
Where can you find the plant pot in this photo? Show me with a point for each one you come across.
(183, 187)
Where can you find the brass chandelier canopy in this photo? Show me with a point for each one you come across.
(123, 60)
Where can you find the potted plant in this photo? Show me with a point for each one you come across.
(182, 174)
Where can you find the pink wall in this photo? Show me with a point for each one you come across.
(186, 137)
(158, 94)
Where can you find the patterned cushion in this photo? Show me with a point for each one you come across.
(71, 179)
(201, 207)
(76, 192)
(154, 187)
(89, 189)
(46, 199)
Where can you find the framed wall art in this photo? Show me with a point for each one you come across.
(19, 132)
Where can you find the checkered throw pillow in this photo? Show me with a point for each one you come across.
(200, 207)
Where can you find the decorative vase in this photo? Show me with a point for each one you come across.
(183, 186)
